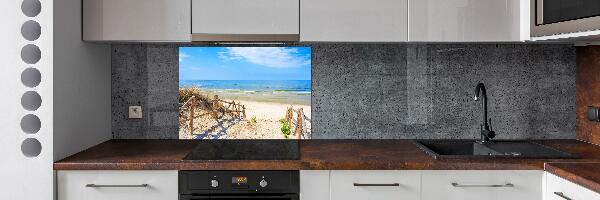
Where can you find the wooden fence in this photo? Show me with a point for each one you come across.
(216, 108)
(299, 121)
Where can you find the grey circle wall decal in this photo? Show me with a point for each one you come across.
(31, 77)
(31, 100)
(31, 54)
(31, 124)
(31, 147)
(31, 8)
(31, 30)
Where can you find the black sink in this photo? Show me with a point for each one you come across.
(468, 149)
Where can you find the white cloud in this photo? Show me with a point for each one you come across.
(276, 57)
(183, 56)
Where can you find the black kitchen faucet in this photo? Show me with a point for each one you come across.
(487, 134)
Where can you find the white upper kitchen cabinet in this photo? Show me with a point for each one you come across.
(245, 20)
(354, 20)
(137, 20)
(468, 20)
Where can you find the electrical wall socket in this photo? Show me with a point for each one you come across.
(135, 112)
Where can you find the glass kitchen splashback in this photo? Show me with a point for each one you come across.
(244, 92)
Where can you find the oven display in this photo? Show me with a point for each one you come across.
(239, 180)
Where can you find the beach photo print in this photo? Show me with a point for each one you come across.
(244, 92)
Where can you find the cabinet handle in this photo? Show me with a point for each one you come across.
(562, 195)
(470, 186)
(115, 186)
(376, 184)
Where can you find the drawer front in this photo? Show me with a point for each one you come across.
(314, 184)
(375, 185)
(482, 185)
(117, 185)
(560, 189)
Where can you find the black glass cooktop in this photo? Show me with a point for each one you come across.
(245, 150)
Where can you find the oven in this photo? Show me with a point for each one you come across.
(552, 17)
(238, 185)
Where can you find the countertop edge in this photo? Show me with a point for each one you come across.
(572, 177)
(393, 154)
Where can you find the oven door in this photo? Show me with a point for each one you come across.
(241, 196)
(551, 17)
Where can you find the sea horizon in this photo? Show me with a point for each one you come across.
(299, 86)
(279, 91)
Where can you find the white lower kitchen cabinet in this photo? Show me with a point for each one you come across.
(560, 189)
(375, 185)
(314, 184)
(117, 185)
(482, 185)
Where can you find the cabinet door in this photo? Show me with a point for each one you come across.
(314, 185)
(136, 20)
(468, 21)
(375, 185)
(354, 20)
(228, 19)
(117, 185)
(560, 189)
(482, 185)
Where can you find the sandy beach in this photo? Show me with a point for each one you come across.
(262, 122)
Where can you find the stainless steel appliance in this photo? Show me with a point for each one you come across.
(552, 17)
(238, 185)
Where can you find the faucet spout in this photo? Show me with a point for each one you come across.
(480, 94)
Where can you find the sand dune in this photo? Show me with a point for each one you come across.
(266, 125)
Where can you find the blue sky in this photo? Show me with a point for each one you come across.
(244, 63)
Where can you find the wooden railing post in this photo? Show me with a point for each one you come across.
(215, 105)
(244, 110)
(299, 123)
(192, 105)
(234, 113)
(289, 114)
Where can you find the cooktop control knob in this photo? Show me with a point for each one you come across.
(214, 183)
(263, 183)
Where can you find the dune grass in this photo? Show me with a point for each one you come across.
(187, 93)
(204, 102)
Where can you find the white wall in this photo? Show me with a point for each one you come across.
(82, 86)
(24, 177)
(76, 74)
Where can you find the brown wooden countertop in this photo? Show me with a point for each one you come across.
(584, 174)
(314, 155)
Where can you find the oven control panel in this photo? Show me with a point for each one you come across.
(233, 182)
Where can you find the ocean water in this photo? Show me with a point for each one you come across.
(281, 91)
(296, 86)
